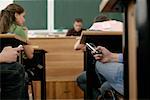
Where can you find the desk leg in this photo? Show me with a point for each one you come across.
(20, 57)
(132, 45)
(43, 90)
(43, 81)
(91, 78)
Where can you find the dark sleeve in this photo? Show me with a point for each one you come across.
(69, 33)
(83, 29)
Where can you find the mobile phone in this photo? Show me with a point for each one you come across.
(20, 46)
(92, 48)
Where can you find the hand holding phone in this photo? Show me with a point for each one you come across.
(20, 46)
(92, 48)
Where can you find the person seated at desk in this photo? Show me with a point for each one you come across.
(98, 19)
(12, 21)
(110, 66)
(81, 79)
(77, 28)
(12, 75)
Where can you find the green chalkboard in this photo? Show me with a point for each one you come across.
(65, 11)
(36, 13)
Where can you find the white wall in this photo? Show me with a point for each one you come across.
(4, 3)
(50, 14)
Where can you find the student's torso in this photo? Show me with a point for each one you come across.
(75, 33)
(18, 30)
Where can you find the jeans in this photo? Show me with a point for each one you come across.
(82, 83)
(113, 73)
(12, 81)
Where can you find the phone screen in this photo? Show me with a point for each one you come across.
(92, 48)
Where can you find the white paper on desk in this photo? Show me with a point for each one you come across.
(111, 25)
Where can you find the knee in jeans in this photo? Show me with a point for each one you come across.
(18, 70)
(81, 78)
(98, 65)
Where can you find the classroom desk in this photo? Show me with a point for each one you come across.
(60, 56)
(63, 65)
(11, 40)
(37, 64)
(10, 36)
(36, 71)
(128, 7)
(110, 40)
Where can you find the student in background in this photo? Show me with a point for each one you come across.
(101, 18)
(77, 28)
(12, 21)
(110, 66)
(81, 79)
(105, 24)
(97, 19)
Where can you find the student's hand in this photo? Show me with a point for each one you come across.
(78, 38)
(25, 29)
(28, 49)
(79, 46)
(28, 42)
(9, 54)
(106, 55)
(83, 47)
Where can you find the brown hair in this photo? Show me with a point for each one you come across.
(7, 16)
(78, 20)
(100, 19)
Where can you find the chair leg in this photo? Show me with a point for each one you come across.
(32, 90)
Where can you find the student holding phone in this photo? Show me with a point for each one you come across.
(12, 75)
(81, 79)
(12, 21)
(110, 66)
(104, 59)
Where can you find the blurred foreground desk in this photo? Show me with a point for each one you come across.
(11, 40)
(111, 40)
(36, 66)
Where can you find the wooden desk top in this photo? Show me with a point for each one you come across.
(8, 36)
(55, 37)
(101, 33)
(36, 47)
(12, 36)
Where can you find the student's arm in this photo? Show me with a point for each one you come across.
(22, 32)
(28, 50)
(108, 56)
(79, 46)
(9, 54)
